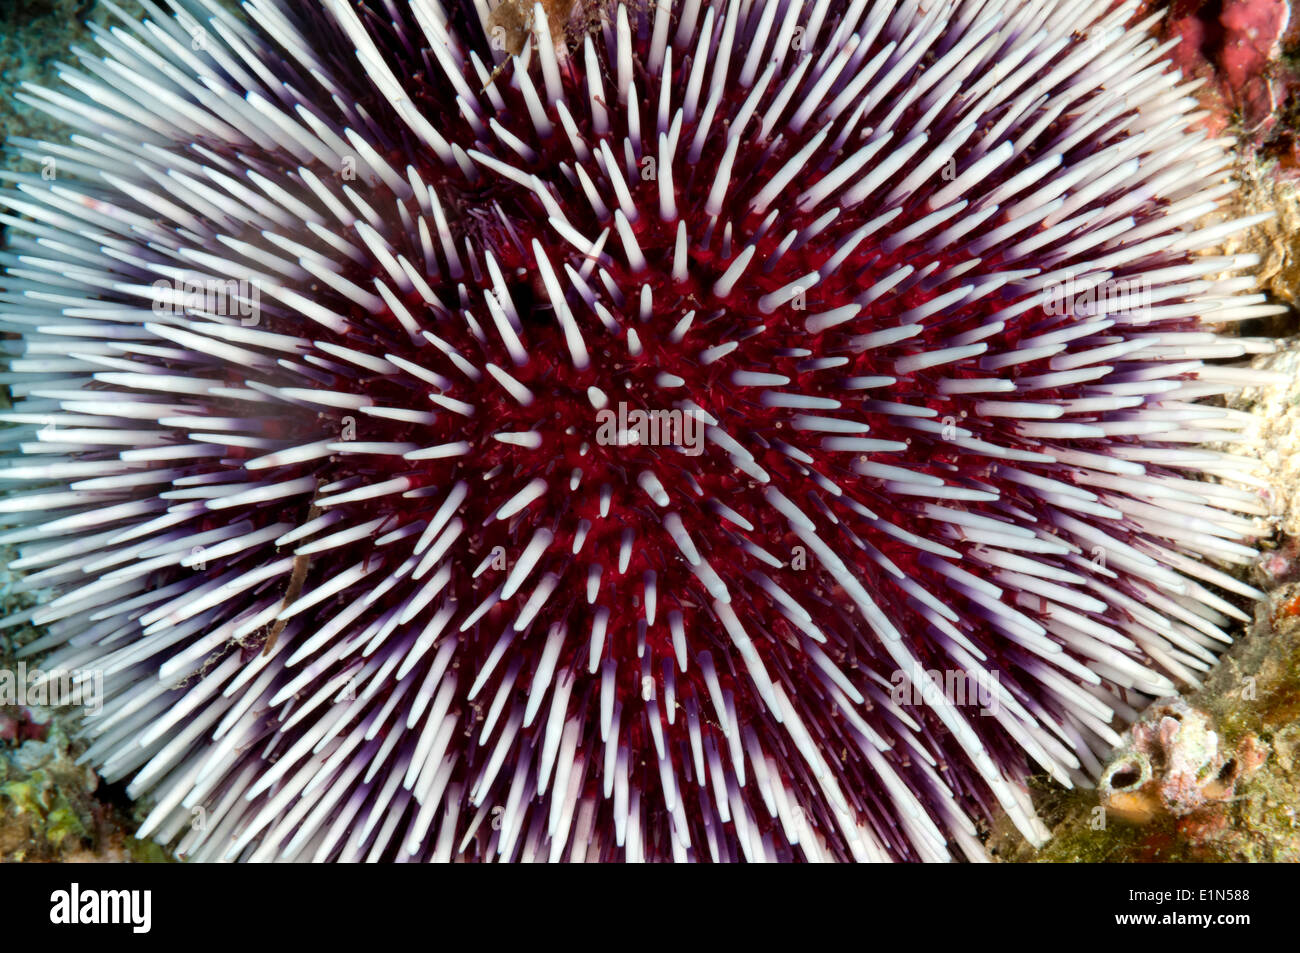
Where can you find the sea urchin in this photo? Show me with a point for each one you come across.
(626, 449)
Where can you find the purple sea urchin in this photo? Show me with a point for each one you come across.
(622, 450)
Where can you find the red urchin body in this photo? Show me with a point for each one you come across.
(373, 581)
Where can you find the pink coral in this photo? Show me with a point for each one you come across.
(1174, 761)
(1235, 45)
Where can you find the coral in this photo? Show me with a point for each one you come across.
(1171, 760)
(1236, 46)
(49, 811)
